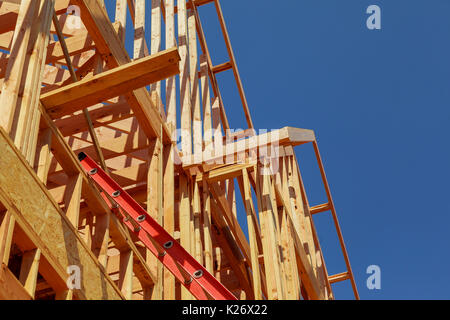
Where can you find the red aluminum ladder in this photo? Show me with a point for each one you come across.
(200, 283)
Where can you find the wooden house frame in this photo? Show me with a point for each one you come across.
(69, 85)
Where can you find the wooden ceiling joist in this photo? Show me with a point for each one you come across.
(232, 150)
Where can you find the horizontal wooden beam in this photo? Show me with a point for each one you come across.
(12, 1)
(112, 83)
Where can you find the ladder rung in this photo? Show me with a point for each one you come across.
(222, 67)
(339, 277)
(320, 208)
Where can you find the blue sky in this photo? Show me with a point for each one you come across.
(378, 101)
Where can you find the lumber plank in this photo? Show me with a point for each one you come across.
(195, 90)
(156, 39)
(231, 196)
(185, 220)
(268, 237)
(230, 151)
(6, 234)
(207, 233)
(171, 102)
(29, 270)
(101, 237)
(126, 274)
(293, 279)
(191, 226)
(217, 134)
(224, 237)
(318, 255)
(302, 221)
(206, 103)
(72, 199)
(158, 289)
(121, 17)
(16, 64)
(252, 234)
(197, 212)
(154, 208)
(111, 83)
(309, 279)
(169, 212)
(185, 81)
(222, 204)
(32, 85)
(139, 29)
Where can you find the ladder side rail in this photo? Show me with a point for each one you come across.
(335, 220)
(176, 254)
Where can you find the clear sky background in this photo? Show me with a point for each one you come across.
(379, 103)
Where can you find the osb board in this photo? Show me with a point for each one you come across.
(25, 192)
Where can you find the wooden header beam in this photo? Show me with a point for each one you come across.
(285, 136)
(112, 83)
